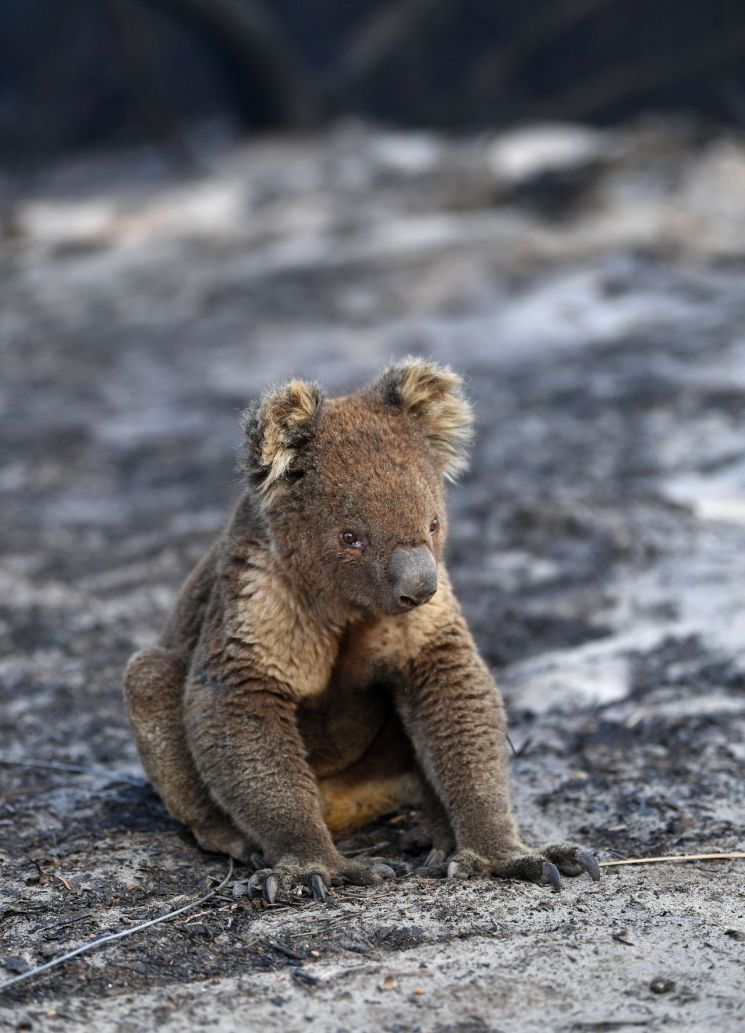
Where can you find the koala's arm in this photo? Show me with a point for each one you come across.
(240, 715)
(245, 742)
(453, 713)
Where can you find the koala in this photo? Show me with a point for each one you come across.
(317, 670)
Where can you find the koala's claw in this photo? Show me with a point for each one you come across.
(456, 870)
(285, 882)
(317, 888)
(544, 867)
(434, 857)
(246, 887)
(435, 865)
(549, 864)
(271, 887)
(590, 864)
(383, 870)
(291, 880)
(551, 876)
(572, 860)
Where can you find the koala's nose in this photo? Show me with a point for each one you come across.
(413, 576)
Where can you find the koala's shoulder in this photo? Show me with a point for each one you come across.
(265, 627)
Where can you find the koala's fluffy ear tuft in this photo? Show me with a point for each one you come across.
(433, 397)
(278, 426)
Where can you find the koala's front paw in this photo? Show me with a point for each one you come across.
(544, 866)
(291, 878)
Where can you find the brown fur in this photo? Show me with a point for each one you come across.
(290, 698)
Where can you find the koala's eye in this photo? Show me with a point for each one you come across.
(350, 539)
(434, 527)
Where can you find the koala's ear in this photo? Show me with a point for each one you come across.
(278, 426)
(433, 397)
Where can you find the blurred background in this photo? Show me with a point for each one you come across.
(84, 74)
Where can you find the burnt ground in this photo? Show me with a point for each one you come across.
(590, 286)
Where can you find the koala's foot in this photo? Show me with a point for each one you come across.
(290, 878)
(544, 866)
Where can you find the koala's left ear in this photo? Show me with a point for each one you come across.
(433, 397)
(277, 427)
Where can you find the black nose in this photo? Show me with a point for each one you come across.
(413, 576)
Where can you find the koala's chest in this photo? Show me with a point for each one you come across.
(342, 721)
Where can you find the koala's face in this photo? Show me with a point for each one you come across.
(374, 504)
(353, 487)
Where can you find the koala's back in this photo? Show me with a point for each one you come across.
(185, 623)
(184, 626)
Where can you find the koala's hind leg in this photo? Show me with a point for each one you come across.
(153, 693)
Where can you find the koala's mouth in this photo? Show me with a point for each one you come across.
(406, 603)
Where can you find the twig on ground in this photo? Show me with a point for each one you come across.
(282, 948)
(310, 933)
(676, 858)
(192, 918)
(33, 972)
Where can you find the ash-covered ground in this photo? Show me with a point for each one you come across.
(590, 286)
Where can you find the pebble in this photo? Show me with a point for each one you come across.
(16, 964)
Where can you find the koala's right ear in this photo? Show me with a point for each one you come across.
(277, 427)
(432, 396)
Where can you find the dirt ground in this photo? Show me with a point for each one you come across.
(590, 286)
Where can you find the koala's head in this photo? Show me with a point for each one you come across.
(352, 488)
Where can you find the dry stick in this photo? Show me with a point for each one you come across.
(676, 858)
(117, 936)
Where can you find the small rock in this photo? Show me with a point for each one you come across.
(303, 977)
(661, 986)
(735, 934)
(403, 937)
(14, 963)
